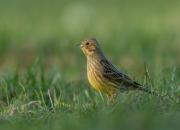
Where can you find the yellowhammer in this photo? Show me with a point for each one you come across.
(103, 75)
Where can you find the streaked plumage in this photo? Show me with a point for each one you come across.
(102, 74)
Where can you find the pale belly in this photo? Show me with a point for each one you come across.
(93, 82)
(100, 84)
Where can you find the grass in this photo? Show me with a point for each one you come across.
(43, 81)
(38, 100)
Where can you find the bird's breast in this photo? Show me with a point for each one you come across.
(94, 77)
(97, 80)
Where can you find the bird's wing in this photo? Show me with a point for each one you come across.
(114, 75)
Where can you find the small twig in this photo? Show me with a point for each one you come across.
(147, 75)
(50, 98)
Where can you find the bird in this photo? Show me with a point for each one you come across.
(103, 75)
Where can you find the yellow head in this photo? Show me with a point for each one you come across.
(90, 47)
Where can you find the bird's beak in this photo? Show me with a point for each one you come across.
(81, 45)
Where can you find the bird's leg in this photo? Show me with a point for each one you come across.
(111, 98)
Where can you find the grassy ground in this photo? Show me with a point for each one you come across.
(43, 81)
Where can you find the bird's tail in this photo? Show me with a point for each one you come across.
(147, 90)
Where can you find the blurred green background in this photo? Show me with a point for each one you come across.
(138, 32)
(132, 33)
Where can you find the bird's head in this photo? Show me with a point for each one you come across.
(90, 47)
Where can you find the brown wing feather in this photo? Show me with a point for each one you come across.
(114, 75)
(121, 80)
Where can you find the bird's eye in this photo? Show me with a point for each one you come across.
(87, 43)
